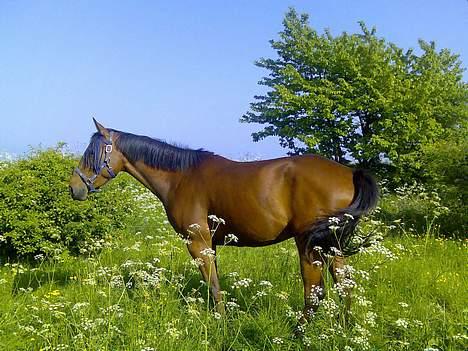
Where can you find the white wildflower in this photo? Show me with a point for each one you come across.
(265, 283)
(233, 274)
(402, 323)
(230, 238)
(197, 262)
(232, 305)
(173, 332)
(278, 341)
(336, 251)
(242, 283)
(316, 293)
(330, 307)
(39, 257)
(216, 219)
(334, 220)
(362, 301)
(194, 228)
(317, 263)
(306, 340)
(362, 341)
(79, 305)
(208, 252)
(282, 295)
(370, 319)
(296, 315)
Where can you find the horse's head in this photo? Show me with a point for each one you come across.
(100, 163)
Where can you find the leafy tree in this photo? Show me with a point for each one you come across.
(357, 97)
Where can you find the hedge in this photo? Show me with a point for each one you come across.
(38, 216)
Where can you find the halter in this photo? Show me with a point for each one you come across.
(89, 181)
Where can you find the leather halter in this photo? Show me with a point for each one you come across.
(89, 181)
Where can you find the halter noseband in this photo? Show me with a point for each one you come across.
(89, 181)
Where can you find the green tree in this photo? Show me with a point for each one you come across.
(357, 97)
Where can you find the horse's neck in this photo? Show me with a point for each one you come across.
(159, 182)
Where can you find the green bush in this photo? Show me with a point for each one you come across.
(437, 195)
(446, 171)
(38, 216)
(422, 209)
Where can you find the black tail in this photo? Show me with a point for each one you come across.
(336, 231)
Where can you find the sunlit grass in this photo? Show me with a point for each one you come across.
(142, 292)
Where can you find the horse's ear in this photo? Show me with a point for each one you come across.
(101, 129)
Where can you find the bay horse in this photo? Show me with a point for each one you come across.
(262, 202)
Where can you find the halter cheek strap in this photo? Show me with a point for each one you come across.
(89, 181)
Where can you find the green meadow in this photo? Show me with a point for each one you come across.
(139, 290)
(110, 273)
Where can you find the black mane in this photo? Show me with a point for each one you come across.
(153, 152)
(93, 153)
(157, 153)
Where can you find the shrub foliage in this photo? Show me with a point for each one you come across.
(38, 216)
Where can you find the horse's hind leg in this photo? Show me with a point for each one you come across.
(343, 282)
(312, 278)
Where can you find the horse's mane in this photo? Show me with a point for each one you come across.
(93, 153)
(153, 152)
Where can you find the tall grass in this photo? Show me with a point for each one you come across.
(141, 291)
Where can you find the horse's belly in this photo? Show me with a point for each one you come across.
(252, 241)
(253, 231)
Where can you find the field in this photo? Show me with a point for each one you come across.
(111, 274)
(141, 291)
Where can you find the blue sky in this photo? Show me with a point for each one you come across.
(182, 71)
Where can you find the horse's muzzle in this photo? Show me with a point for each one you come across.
(78, 193)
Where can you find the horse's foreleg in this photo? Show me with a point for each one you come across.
(312, 278)
(202, 252)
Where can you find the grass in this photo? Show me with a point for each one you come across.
(142, 292)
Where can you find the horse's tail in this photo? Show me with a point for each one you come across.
(335, 232)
